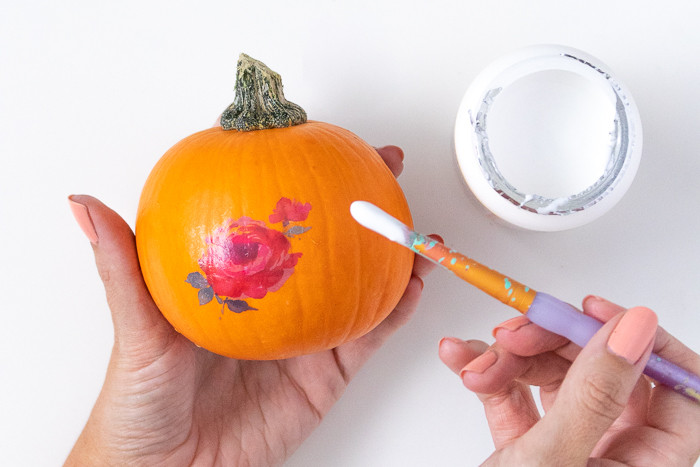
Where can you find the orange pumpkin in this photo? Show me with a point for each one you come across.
(245, 237)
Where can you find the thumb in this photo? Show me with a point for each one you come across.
(596, 388)
(136, 318)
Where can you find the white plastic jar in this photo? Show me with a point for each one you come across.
(547, 138)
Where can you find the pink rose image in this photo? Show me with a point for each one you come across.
(246, 259)
(289, 210)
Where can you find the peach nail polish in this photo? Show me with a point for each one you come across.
(481, 363)
(82, 216)
(633, 334)
(512, 324)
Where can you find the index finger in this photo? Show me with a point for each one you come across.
(524, 338)
(668, 410)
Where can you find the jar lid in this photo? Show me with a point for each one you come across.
(547, 138)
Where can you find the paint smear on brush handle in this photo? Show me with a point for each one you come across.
(508, 291)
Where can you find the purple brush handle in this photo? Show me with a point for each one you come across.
(563, 319)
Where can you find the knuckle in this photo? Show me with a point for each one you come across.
(603, 396)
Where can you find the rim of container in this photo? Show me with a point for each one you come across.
(508, 69)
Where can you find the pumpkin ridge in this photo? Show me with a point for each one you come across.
(334, 133)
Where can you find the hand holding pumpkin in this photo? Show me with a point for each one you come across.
(597, 405)
(166, 401)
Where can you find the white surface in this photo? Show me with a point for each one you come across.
(92, 93)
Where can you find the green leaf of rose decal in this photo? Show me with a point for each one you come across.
(244, 258)
(197, 280)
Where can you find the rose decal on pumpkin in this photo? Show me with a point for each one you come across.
(244, 258)
(288, 210)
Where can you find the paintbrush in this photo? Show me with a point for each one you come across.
(542, 309)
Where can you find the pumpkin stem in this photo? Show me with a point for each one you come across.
(259, 103)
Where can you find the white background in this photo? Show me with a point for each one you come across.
(93, 93)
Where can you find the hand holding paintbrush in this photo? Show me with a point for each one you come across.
(596, 407)
(540, 308)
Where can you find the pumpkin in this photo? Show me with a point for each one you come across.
(245, 237)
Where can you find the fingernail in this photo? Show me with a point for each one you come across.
(633, 334)
(481, 363)
(437, 237)
(592, 298)
(453, 340)
(396, 149)
(82, 216)
(512, 324)
(420, 281)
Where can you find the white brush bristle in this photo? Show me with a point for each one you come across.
(370, 216)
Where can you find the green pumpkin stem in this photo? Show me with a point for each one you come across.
(259, 103)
